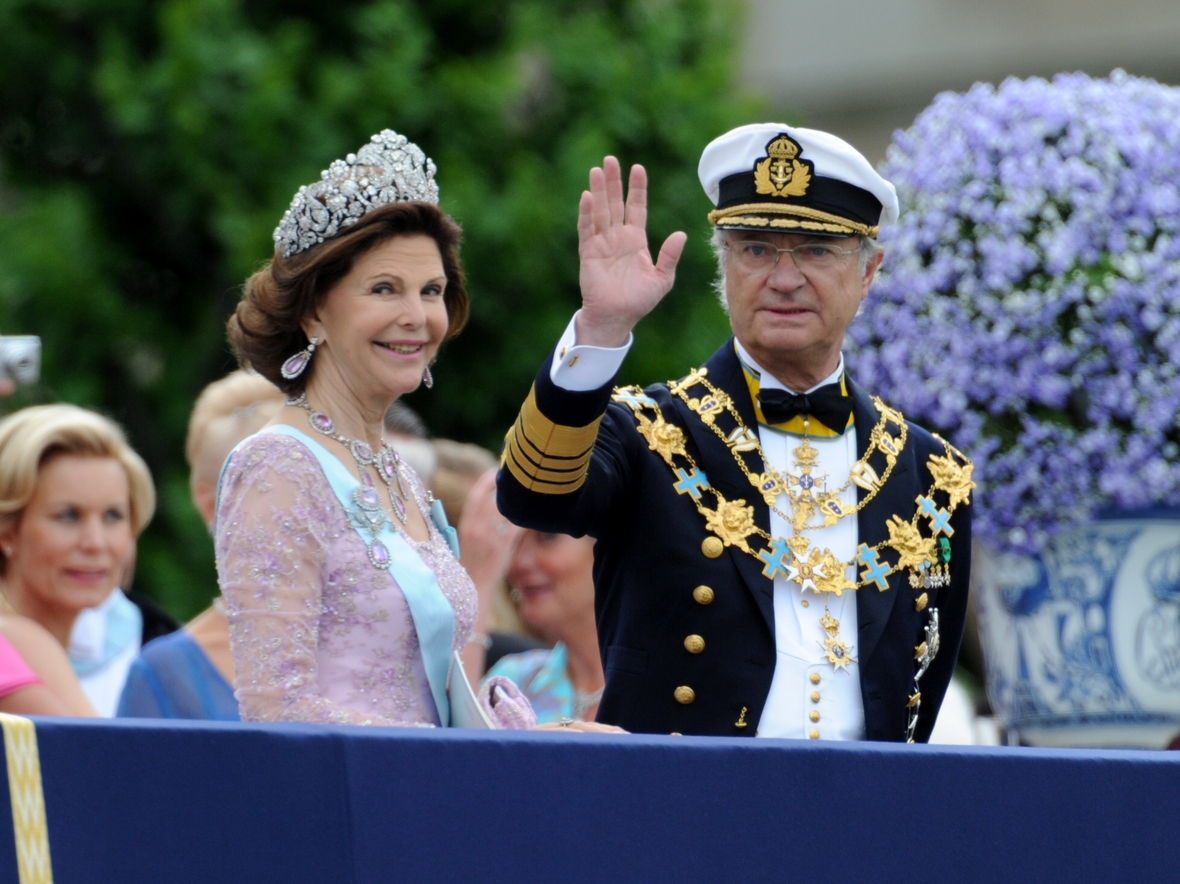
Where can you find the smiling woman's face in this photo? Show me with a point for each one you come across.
(382, 323)
(73, 541)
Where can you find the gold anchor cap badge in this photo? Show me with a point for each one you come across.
(781, 173)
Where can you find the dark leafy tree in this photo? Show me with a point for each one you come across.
(147, 150)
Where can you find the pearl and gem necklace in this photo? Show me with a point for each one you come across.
(369, 515)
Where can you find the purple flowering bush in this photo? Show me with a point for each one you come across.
(1029, 309)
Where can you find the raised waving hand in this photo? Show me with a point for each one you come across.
(620, 282)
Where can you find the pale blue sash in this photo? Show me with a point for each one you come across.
(434, 620)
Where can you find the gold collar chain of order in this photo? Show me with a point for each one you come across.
(813, 568)
(732, 521)
(770, 483)
(807, 500)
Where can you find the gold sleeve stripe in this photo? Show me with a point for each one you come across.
(546, 457)
(537, 481)
(29, 827)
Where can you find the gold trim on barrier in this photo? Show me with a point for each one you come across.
(817, 220)
(547, 457)
(29, 827)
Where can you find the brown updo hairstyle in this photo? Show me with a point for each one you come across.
(266, 328)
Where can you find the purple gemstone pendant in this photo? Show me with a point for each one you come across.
(386, 465)
(379, 555)
(399, 507)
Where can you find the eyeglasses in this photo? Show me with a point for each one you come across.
(754, 256)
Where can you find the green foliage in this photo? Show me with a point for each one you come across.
(147, 150)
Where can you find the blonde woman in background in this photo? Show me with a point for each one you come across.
(190, 673)
(74, 497)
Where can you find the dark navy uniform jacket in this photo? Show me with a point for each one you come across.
(565, 473)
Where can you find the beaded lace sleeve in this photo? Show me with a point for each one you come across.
(277, 519)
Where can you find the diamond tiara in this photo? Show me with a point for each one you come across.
(389, 169)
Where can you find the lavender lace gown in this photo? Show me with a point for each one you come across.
(319, 634)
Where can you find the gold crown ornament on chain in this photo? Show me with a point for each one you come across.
(389, 169)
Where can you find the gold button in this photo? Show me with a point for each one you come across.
(712, 547)
(694, 644)
(805, 603)
(676, 734)
(561, 355)
(703, 595)
(814, 735)
(813, 715)
(815, 696)
(573, 361)
(684, 694)
(920, 602)
(815, 678)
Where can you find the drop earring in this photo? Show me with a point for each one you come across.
(428, 378)
(297, 364)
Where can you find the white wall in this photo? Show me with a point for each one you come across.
(862, 69)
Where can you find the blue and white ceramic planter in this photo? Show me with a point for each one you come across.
(1082, 643)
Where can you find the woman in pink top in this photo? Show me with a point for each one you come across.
(35, 674)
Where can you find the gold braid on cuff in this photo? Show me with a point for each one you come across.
(808, 219)
(546, 457)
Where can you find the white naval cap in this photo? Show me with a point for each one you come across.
(773, 177)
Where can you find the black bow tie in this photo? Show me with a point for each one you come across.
(828, 405)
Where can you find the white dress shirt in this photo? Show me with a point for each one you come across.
(801, 669)
(798, 635)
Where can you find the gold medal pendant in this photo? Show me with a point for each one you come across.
(807, 571)
(839, 653)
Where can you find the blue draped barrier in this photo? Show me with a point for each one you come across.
(139, 801)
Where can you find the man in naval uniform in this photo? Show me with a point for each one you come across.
(778, 553)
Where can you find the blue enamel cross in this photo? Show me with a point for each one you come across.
(776, 558)
(940, 519)
(691, 483)
(632, 399)
(875, 572)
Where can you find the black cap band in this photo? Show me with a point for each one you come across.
(829, 196)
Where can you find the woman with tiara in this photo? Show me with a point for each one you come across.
(344, 595)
